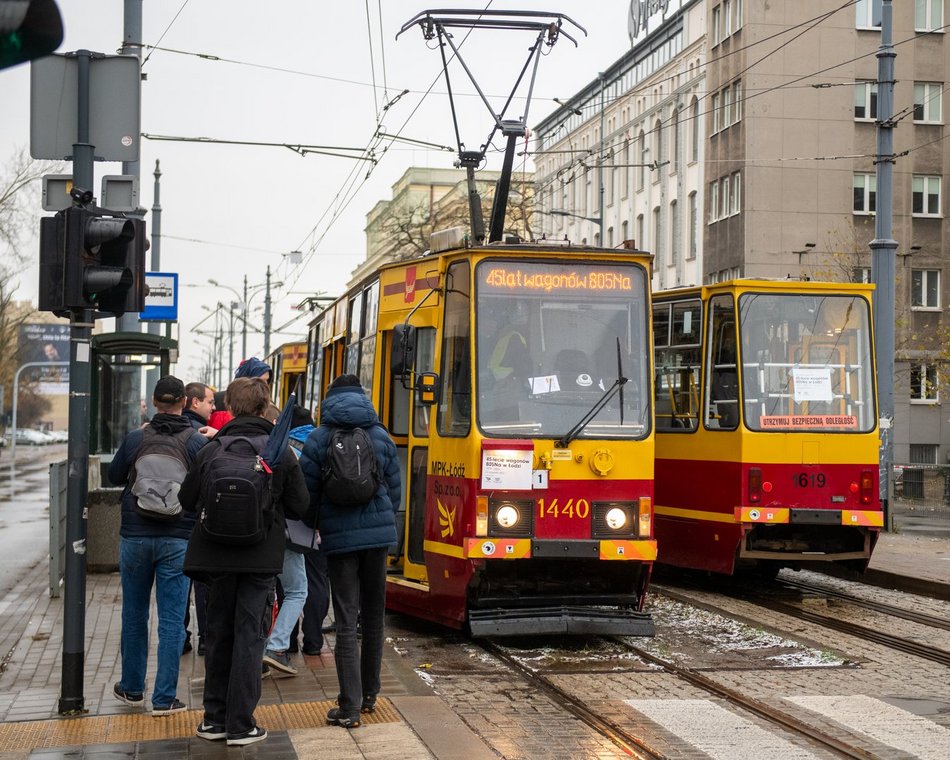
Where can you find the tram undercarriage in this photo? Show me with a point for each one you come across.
(594, 597)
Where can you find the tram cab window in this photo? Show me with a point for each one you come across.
(806, 362)
(722, 390)
(455, 401)
(552, 338)
(676, 341)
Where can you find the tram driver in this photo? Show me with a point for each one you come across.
(504, 358)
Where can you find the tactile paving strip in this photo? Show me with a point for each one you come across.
(141, 727)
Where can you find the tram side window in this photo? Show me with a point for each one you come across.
(455, 402)
(722, 390)
(676, 337)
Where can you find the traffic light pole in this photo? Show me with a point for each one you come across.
(72, 699)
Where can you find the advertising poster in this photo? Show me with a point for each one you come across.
(44, 342)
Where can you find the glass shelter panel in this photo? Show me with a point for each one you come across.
(806, 362)
(553, 339)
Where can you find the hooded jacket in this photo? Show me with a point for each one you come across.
(206, 557)
(345, 528)
(134, 525)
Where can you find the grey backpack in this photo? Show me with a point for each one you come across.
(160, 466)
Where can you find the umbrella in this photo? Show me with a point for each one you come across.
(279, 437)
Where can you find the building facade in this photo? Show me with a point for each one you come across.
(739, 139)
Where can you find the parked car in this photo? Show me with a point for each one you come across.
(58, 436)
(30, 437)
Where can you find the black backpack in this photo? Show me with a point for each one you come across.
(351, 474)
(160, 466)
(237, 502)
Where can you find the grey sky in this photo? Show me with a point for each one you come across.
(253, 204)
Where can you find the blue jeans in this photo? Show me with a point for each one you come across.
(144, 561)
(293, 580)
(358, 580)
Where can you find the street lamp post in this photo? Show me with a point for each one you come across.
(598, 220)
(244, 303)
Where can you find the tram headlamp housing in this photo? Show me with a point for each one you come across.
(507, 516)
(615, 518)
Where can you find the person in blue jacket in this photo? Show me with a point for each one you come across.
(356, 542)
(153, 553)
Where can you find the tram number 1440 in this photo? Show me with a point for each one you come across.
(572, 508)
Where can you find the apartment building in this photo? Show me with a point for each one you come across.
(739, 139)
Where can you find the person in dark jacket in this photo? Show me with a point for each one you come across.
(356, 541)
(240, 578)
(199, 404)
(152, 552)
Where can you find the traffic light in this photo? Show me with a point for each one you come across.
(28, 29)
(92, 259)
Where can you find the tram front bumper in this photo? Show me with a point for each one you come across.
(560, 620)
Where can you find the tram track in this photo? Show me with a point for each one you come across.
(638, 747)
(877, 636)
(632, 745)
(756, 707)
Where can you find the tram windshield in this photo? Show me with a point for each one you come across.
(806, 363)
(553, 336)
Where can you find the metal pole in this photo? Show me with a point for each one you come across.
(600, 167)
(244, 317)
(267, 315)
(231, 343)
(72, 699)
(152, 375)
(883, 250)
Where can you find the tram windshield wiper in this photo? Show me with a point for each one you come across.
(612, 391)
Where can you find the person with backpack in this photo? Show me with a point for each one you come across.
(237, 549)
(349, 463)
(152, 463)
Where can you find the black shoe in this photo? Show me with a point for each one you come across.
(279, 661)
(265, 670)
(186, 647)
(256, 734)
(369, 704)
(311, 651)
(133, 698)
(211, 732)
(336, 718)
(293, 647)
(176, 706)
(201, 646)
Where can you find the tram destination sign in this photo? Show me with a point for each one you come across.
(527, 278)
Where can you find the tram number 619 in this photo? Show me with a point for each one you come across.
(579, 509)
(804, 480)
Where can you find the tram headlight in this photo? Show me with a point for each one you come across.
(507, 516)
(616, 518)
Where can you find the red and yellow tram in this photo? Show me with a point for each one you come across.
(766, 425)
(515, 380)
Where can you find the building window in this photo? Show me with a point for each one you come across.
(726, 107)
(644, 160)
(925, 289)
(861, 274)
(610, 237)
(868, 14)
(865, 193)
(693, 225)
(928, 102)
(736, 102)
(738, 24)
(675, 236)
(725, 185)
(675, 148)
(694, 142)
(922, 453)
(928, 15)
(713, 201)
(716, 28)
(926, 196)
(660, 149)
(625, 173)
(736, 183)
(715, 113)
(607, 176)
(865, 101)
(726, 18)
(641, 242)
(923, 383)
(624, 231)
(658, 240)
